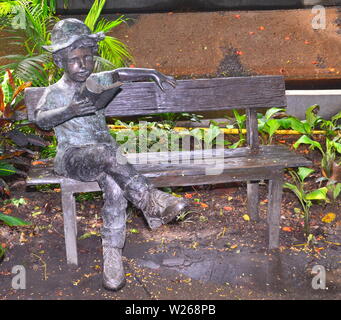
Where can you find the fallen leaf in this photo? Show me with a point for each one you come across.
(35, 163)
(297, 210)
(22, 238)
(36, 213)
(8, 211)
(88, 235)
(228, 208)
(176, 195)
(134, 230)
(287, 229)
(204, 205)
(329, 217)
(246, 217)
(188, 196)
(75, 283)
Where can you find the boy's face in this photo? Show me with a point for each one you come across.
(79, 64)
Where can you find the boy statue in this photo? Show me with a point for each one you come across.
(86, 150)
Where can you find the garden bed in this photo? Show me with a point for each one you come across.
(216, 224)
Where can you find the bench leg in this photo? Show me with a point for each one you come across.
(274, 210)
(70, 227)
(253, 199)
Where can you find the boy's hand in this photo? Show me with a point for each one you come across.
(82, 107)
(160, 79)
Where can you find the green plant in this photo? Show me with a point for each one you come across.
(305, 197)
(15, 202)
(239, 121)
(10, 7)
(87, 196)
(208, 137)
(50, 150)
(331, 126)
(12, 139)
(2, 252)
(147, 137)
(329, 155)
(267, 124)
(112, 52)
(311, 121)
(170, 118)
(6, 169)
(12, 221)
(36, 65)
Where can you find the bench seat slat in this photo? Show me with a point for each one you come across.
(151, 157)
(190, 170)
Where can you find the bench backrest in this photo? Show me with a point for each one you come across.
(143, 98)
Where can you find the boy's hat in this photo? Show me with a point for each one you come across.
(67, 31)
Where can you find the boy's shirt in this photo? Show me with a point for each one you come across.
(79, 131)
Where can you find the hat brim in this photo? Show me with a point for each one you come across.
(56, 47)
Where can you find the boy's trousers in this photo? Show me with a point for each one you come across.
(118, 180)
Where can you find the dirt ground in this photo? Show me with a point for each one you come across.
(213, 252)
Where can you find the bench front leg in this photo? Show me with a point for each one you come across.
(253, 199)
(274, 209)
(70, 226)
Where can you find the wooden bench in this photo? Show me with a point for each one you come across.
(252, 163)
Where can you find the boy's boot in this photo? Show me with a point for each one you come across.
(113, 270)
(160, 207)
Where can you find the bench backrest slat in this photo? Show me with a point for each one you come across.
(142, 98)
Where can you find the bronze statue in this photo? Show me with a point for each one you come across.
(74, 108)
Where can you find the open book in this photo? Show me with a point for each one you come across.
(99, 94)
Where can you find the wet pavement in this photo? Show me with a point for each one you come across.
(284, 275)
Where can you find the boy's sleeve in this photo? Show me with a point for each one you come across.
(104, 78)
(48, 101)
